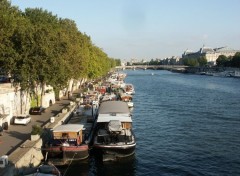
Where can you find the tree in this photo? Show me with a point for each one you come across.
(236, 60)
(192, 62)
(39, 48)
(9, 18)
(117, 62)
(222, 60)
(202, 61)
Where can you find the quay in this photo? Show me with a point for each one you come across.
(16, 143)
(24, 152)
(204, 70)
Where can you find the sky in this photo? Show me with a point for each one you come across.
(149, 29)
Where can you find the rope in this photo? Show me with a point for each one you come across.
(69, 164)
(46, 156)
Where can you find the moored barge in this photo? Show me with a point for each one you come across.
(114, 137)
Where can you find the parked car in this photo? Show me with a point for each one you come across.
(22, 119)
(1, 130)
(4, 79)
(38, 110)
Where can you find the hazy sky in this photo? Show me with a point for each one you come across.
(146, 29)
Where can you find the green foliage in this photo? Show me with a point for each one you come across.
(230, 61)
(38, 48)
(36, 129)
(202, 61)
(116, 62)
(236, 60)
(35, 100)
(10, 19)
(154, 62)
(222, 60)
(192, 62)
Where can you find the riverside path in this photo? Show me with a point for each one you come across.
(17, 134)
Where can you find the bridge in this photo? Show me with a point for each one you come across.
(154, 67)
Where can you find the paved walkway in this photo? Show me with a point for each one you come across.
(17, 134)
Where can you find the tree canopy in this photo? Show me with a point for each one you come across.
(222, 60)
(231, 61)
(38, 47)
(236, 60)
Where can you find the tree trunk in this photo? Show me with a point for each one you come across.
(43, 85)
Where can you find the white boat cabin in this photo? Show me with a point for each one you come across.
(114, 123)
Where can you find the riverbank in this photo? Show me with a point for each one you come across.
(213, 71)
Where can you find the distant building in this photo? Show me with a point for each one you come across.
(210, 54)
(10, 103)
(133, 61)
(14, 102)
(174, 60)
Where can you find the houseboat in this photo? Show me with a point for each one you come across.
(129, 89)
(68, 144)
(114, 137)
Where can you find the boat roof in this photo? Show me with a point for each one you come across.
(126, 95)
(68, 128)
(117, 107)
(109, 117)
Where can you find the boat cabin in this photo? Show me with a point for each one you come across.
(126, 97)
(114, 123)
(68, 134)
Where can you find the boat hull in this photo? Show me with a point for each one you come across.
(62, 155)
(114, 152)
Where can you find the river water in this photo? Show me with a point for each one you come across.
(184, 124)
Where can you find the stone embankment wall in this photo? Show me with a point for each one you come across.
(210, 69)
(29, 153)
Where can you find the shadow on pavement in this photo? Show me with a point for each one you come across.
(54, 112)
(18, 135)
(21, 136)
(40, 121)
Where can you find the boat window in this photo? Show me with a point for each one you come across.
(72, 141)
(121, 138)
(128, 132)
(126, 125)
(102, 132)
(64, 135)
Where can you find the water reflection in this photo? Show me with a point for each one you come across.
(94, 166)
(123, 167)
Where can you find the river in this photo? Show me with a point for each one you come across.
(184, 124)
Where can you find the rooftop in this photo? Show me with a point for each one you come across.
(205, 49)
(68, 128)
(117, 107)
(109, 117)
